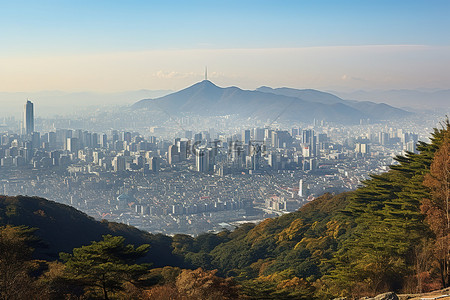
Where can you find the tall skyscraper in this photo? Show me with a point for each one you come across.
(246, 136)
(182, 146)
(202, 160)
(28, 118)
(310, 140)
(119, 164)
(72, 145)
(154, 164)
(172, 154)
(258, 134)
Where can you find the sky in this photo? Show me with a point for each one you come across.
(115, 45)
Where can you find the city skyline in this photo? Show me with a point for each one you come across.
(110, 47)
(205, 177)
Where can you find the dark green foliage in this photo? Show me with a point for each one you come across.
(207, 242)
(166, 275)
(387, 224)
(62, 228)
(277, 239)
(260, 290)
(105, 265)
(268, 290)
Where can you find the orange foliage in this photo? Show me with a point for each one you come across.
(194, 284)
(292, 232)
(437, 207)
(260, 231)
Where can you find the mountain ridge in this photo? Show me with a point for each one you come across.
(415, 99)
(205, 99)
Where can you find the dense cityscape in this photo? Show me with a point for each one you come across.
(172, 181)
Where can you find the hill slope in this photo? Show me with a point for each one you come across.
(62, 228)
(309, 94)
(376, 111)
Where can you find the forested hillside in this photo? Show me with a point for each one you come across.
(60, 228)
(390, 235)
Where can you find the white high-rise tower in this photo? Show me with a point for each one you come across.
(300, 188)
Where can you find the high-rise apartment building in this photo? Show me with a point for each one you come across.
(202, 156)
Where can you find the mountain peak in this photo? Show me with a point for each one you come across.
(206, 82)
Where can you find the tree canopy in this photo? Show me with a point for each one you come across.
(105, 265)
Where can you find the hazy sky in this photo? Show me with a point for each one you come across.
(128, 45)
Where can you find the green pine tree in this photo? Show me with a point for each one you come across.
(387, 225)
(105, 265)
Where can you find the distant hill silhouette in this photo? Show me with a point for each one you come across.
(307, 94)
(376, 111)
(207, 99)
(412, 99)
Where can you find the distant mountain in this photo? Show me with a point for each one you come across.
(376, 111)
(307, 94)
(415, 99)
(207, 99)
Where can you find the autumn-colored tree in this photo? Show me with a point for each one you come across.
(437, 207)
(200, 284)
(163, 292)
(192, 285)
(16, 262)
(55, 284)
